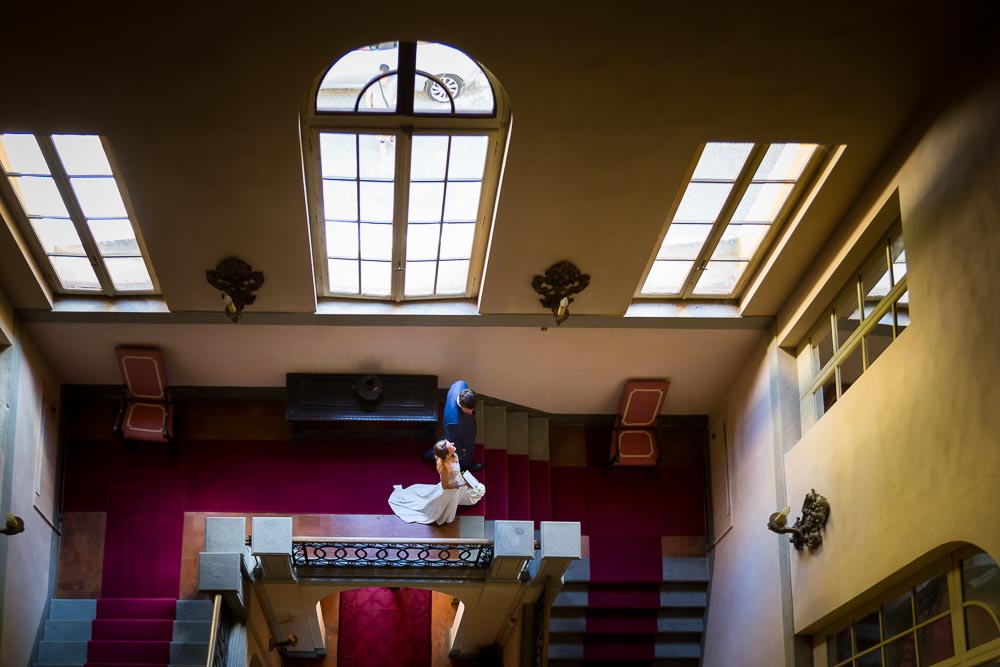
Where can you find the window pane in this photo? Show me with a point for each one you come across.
(740, 241)
(39, 196)
(848, 317)
(878, 340)
(376, 201)
(875, 283)
(376, 242)
(981, 581)
(462, 201)
(99, 197)
(469, 88)
(114, 237)
(456, 241)
(702, 202)
(377, 153)
(934, 642)
(991, 663)
(932, 597)
(901, 652)
(337, 155)
(343, 276)
(422, 242)
(850, 370)
(376, 278)
(75, 273)
(420, 278)
(828, 393)
(20, 153)
(128, 274)
(683, 241)
(57, 236)
(468, 157)
(898, 615)
(898, 259)
(721, 161)
(866, 632)
(980, 627)
(720, 277)
(871, 659)
(82, 155)
(822, 346)
(666, 277)
(841, 645)
(902, 308)
(425, 202)
(340, 200)
(342, 239)
(429, 158)
(344, 81)
(762, 202)
(452, 277)
(784, 162)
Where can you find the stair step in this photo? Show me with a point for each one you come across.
(67, 631)
(538, 438)
(685, 569)
(188, 653)
(495, 480)
(72, 610)
(63, 653)
(137, 608)
(192, 631)
(131, 629)
(518, 487)
(157, 652)
(194, 610)
(494, 431)
(517, 433)
(541, 491)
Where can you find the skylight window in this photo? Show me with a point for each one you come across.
(72, 202)
(403, 177)
(736, 198)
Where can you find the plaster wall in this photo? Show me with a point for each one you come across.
(745, 606)
(27, 560)
(909, 457)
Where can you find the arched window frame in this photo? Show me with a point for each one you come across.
(403, 124)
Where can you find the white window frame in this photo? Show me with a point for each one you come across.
(62, 182)
(403, 126)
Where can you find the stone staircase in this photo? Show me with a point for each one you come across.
(121, 632)
(592, 623)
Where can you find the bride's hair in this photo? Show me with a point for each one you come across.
(441, 449)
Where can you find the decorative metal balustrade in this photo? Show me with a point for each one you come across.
(391, 553)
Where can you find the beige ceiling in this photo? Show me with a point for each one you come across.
(201, 107)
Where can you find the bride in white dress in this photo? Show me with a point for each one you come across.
(436, 503)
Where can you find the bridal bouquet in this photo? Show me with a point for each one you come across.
(476, 488)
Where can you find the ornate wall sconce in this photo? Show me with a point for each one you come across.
(557, 285)
(237, 281)
(805, 530)
(13, 525)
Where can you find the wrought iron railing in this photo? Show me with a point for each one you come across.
(218, 638)
(391, 553)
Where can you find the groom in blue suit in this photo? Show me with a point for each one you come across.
(460, 424)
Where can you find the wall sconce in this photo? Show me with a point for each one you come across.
(291, 640)
(13, 526)
(237, 281)
(805, 530)
(557, 285)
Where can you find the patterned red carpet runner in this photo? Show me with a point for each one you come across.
(384, 627)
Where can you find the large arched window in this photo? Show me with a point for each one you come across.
(404, 145)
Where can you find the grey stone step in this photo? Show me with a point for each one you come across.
(565, 650)
(53, 664)
(67, 631)
(72, 610)
(192, 631)
(188, 653)
(538, 438)
(683, 599)
(63, 653)
(194, 610)
(680, 624)
(685, 569)
(578, 571)
(571, 599)
(672, 650)
(494, 431)
(517, 433)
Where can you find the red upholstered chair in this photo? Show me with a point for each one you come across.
(635, 441)
(146, 412)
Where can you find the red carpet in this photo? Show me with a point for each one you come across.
(384, 627)
(518, 487)
(132, 631)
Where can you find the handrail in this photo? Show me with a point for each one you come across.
(393, 540)
(213, 634)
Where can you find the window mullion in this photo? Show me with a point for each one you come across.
(725, 215)
(65, 188)
(400, 212)
(406, 77)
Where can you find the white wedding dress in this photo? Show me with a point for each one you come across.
(432, 503)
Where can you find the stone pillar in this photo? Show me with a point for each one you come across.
(561, 545)
(513, 546)
(271, 543)
(221, 566)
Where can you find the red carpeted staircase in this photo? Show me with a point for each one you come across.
(132, 631)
